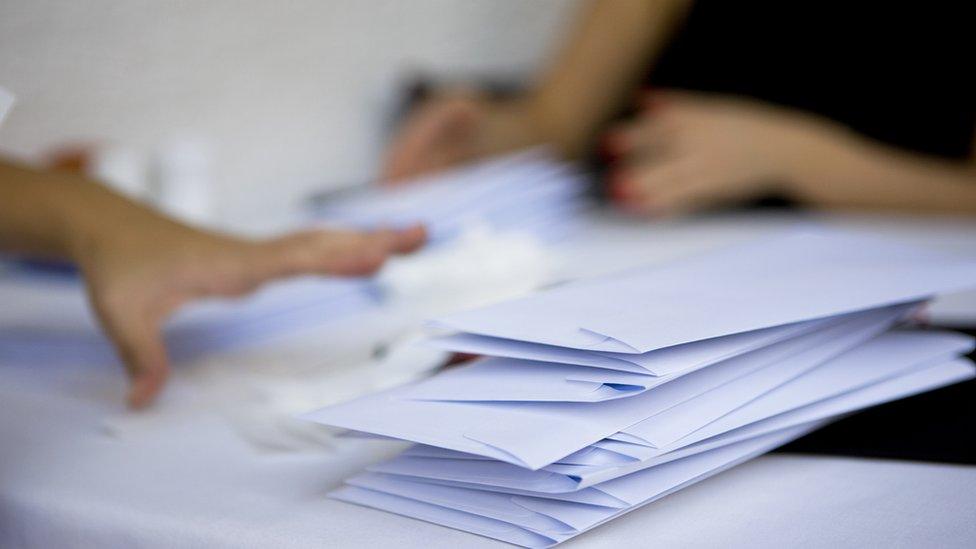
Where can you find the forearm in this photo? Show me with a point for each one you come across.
(53, 214)
(844, 170)
(595, 74)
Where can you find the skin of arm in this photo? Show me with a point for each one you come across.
(589, 81)
(707, 151)
(594, 74)
(856, 173)
(691, 151)
(139, 266)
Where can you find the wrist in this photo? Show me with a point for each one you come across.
(81, 221)
(511, 125)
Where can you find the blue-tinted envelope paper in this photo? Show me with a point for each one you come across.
(802, 275)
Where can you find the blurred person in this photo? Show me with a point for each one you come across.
(829, 105)
(140, 266)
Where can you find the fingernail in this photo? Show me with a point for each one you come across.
(413, 232)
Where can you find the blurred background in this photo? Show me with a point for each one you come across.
(258, 103)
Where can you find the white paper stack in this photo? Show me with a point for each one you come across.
(47, 319)
(599, 397)
(525, 192)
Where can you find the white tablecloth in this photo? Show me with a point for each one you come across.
(192, 481)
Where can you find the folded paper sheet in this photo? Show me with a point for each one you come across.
(803, 275)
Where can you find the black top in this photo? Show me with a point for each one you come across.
(902, 73)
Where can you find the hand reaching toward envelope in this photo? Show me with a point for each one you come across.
(139, 266)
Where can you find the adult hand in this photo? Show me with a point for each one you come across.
(139, 269)
(688, 151)
(453, 128)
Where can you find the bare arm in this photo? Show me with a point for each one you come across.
(595, 74)
(140, 266)
(693, 150)
(854, 172)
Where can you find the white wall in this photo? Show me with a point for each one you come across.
(292, 94)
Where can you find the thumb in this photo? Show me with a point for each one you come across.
(340, 253)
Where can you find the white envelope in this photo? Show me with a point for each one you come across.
(799, 276)
(887, 355)
(554, 479)
(509, 431)
(660, 362)
(506, 379)
(588, 496)
(685, 418)
(496, 505)
(924, 379)
(441, 505)
(459, 520)
(516, 510)
(884, 357)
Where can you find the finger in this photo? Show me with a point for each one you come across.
(334, 252)
(137, 339)
(403, 241)
(647, 138)
(697, 186)
(647, 189)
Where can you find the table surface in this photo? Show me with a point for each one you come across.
(192, 481)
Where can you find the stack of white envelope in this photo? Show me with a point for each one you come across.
(527, 192)
(605, 395)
